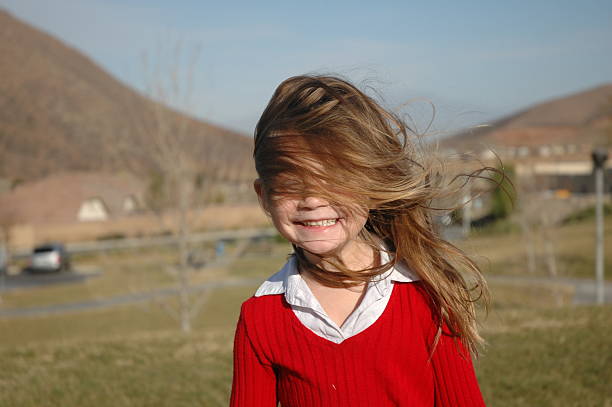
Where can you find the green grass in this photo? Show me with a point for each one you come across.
(121, 356)
(549, 357)
(130, 357)
(219, 312)
(135, 370)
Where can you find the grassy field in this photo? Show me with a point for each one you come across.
(129, 356)
(574, 245)
(123, 272)
(548, 357)
(542, 351)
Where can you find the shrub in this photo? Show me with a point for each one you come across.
(504, 195)
(586, 213)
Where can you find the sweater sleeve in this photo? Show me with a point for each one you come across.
(455, 380)
(254, 382)
(454, 377)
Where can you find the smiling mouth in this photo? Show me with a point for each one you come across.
(319, 223)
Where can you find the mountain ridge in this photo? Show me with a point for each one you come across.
(59, 110)
(583, 117)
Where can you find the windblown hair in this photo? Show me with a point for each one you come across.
(322, 135)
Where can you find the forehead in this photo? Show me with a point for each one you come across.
(298, 162)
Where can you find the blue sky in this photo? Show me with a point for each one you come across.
(474, 61)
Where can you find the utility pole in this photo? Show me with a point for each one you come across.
(600, 156)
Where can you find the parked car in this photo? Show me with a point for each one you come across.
(49, 257)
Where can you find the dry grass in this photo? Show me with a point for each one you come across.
(129, 356)
(121, 273)
(574, 247)
(136, 271)
(541, 350)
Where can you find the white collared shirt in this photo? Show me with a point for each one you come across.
(309, 311)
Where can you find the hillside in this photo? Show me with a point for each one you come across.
(60, 111)
(580, 118)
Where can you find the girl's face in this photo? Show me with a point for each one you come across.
(314, 225)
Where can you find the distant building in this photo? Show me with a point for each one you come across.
(93, 209)
(74, 197)
(573, 176)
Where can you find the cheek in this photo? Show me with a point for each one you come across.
(360, 221)
(358, 216)
(282, 210)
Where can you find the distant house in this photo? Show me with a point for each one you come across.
(93, 209)
(573, 176)
(74, 197)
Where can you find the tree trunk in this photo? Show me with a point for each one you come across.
(183, 271)
(549, 249)
(528, 237)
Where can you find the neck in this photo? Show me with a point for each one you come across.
(355, 256)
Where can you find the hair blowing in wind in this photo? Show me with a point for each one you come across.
(322, 135)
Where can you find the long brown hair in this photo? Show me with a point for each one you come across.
(321, 133)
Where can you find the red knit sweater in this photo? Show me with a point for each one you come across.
(278, 359)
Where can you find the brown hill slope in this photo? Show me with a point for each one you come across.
(580, 118)
(60, 111)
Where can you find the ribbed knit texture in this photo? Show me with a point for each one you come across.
(278, 359)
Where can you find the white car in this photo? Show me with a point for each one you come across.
(49, 257)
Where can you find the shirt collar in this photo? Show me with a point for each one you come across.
(288, 281)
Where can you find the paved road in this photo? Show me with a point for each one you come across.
(29, 280)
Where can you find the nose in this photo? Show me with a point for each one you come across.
(312, 202)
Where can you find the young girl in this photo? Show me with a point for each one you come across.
(371, 309)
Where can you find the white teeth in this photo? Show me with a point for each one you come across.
(326, 222)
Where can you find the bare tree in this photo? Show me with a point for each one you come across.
(538, 220)
(183, 163)
(524, 217)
